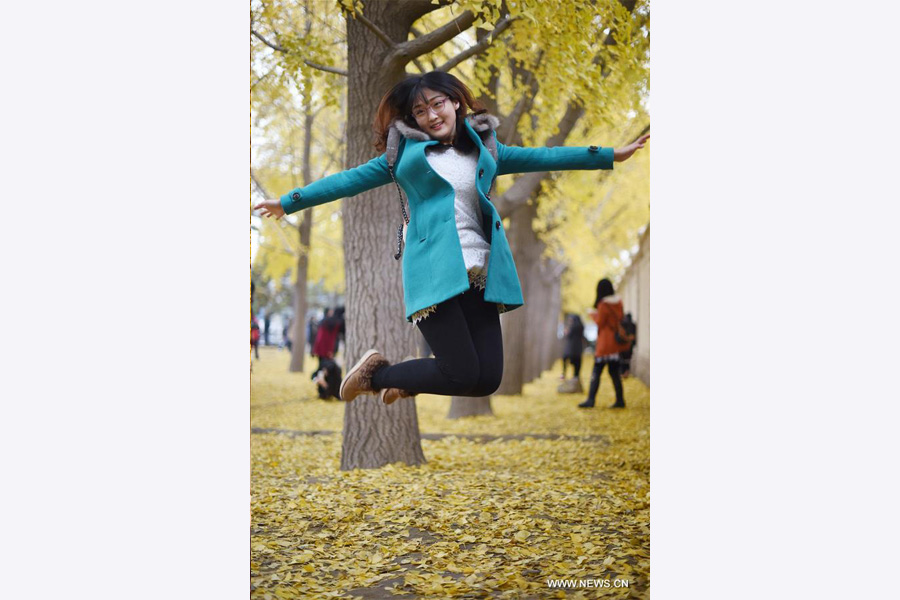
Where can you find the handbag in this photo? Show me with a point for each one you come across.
(621, 335)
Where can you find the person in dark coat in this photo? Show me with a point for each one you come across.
(267, 323)
(286, 333)
(312, 328)
(608, 316)
(573, 344)
(630, 328)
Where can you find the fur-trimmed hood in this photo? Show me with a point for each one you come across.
(614, 299)
(480, 122)
(483, 123)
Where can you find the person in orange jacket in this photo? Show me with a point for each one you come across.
(607, 314)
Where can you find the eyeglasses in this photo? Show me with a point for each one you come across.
(436, 106)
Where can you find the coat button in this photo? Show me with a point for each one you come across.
(498, 225)
(480, 173)
(594, 149)
(295, 196)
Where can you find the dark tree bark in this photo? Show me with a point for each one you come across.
(375, 434)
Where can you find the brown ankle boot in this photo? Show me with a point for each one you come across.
(359, 378)
(391, 395)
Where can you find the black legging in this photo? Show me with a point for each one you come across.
(595, 381)
(576, 364)
(464, 335)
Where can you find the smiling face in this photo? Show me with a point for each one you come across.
(436, 115)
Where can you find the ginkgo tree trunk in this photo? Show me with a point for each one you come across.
(379, 49)
(374, 434)
(298, 330)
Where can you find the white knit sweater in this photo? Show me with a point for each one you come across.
(459, 171)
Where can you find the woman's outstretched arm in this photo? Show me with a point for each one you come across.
(515, 159)
(340, 185)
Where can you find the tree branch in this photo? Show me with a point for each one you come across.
(277, 249)
(261, 78)
(259, 186)
(267, 42)
(416, 61)
(419, 8)
(645, 130)
(481, 46)
(325, 68)
(279, 225)
(308, 63)
(508, 132)
(376, 30)
(489, 98)
(527, 185)
(410, 49)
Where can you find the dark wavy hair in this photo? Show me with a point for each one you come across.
(398, 103)
(604, 289)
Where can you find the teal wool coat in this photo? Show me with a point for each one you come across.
(433, 267)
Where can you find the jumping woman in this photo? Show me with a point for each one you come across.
(439, 146)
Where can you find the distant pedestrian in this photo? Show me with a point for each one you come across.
(573, 344)
(573, 348)
(312, 327)
(608, 316)
(630, 328)
(326, 338)
(267, 323)
(254, 335)
(286, 333)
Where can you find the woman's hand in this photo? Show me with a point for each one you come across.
(269, 208)
(624, 153)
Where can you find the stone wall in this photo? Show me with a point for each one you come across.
(634, 288)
